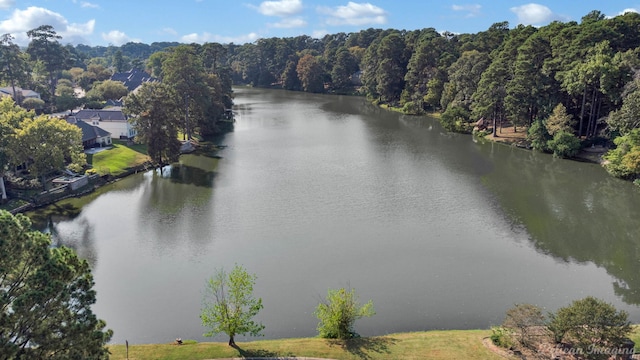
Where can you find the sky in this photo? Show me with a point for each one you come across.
(115, 22)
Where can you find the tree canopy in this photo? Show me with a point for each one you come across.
(229, 305)
(46, 298)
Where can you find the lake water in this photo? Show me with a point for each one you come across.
(315, 192)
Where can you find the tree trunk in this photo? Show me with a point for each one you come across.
(584, 100)
(592, 114)
(3, 191)
(232, 343)
(495, 131)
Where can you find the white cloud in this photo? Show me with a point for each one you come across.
(472, 10)
(117, 38)
(170, 31)
(355, 14)
(7, 4)
(533, 14)
(86, 4)
(282, 8)
(319, 34)
(207, 37)
(289, 23)
(22, 21)
(628, 10)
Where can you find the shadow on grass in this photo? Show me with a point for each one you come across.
(260, 353)
(362, 347)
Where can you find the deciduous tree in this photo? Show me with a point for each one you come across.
(338, 313)
(229, 305)
(156, 119)
(48, 144)
(310, 74)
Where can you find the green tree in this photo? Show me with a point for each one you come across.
(538, 135)
(156, 120)
(455, 118)
(229, 304)
(339, 312)
(343, 68)
(560, 121)
(118, 61)
(107, 90)
(13, 67)
(391, 69)
(46, 298)
(624, 160)
(590, 324)
(290, 79)
(564, 144)
(183, 71)
(44, 46)
(627, 117)
(464, 75)
(47, 144)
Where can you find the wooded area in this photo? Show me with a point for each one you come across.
(506, 76)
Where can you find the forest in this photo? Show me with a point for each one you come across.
(569, 85)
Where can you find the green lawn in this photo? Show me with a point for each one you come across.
(450, 344)
(118, 159)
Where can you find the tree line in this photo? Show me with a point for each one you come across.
(191, 97)
(582, 74)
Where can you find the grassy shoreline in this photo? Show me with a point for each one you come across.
(436, 344)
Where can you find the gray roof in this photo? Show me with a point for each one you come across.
(89, 132)
(111, 114)
(133, 78)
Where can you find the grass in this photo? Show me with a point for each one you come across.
(449, 344)
(118, 159)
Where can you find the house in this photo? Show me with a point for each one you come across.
(91, 135)
(23, 93)
(113, 120)
(133, 78)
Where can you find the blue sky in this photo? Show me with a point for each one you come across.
(104, 22)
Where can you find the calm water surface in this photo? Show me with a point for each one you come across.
(316, 192)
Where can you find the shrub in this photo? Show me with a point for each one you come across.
(412, 108)
(338, 313)
(564, 144)
(502, 337)
(590, 324)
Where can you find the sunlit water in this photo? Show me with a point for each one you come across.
(316, 192)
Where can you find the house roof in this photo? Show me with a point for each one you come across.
(8, 90)
(133, 78)
(89, 132)
(111, 114)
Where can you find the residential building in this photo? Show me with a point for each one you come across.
(113, 120)
(133, 78)
(92, 136)
(23, 93)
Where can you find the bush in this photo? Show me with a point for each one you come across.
(564, 144)
(455, 119)
(412, 108)
(502, 337)
(338, 313)
(624, 160)
(538, 136)
(590, 324)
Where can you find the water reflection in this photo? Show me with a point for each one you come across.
(440, 231)
(573, 211)
(79, 237)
